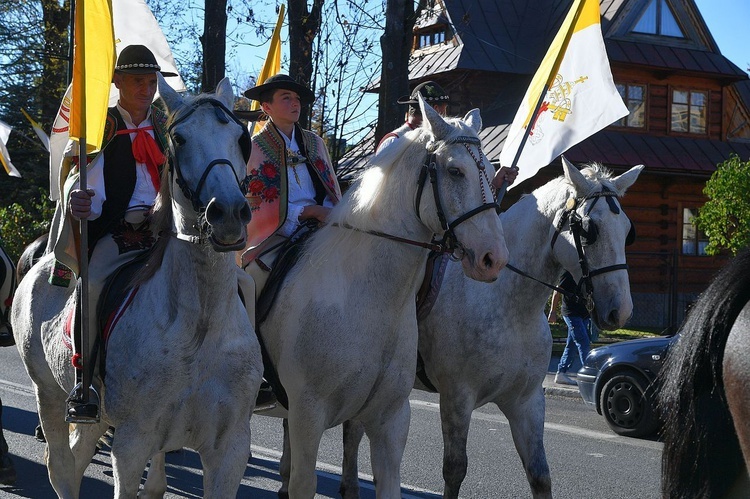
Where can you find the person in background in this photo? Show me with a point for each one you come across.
(577, 319)
(434, 95)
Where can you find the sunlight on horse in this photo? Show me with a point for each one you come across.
(183, 364)
(343, 332)
(491, 343)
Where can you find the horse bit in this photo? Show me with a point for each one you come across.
(449, 243)
(584, 234)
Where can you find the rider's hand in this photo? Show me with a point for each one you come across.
(506, 174)
(80, 203)
(319, 213)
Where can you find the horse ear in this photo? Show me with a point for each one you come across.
(627, 179)
(433, 121)
(575, 177)
(169, 95)
(474, 120)
(224, 93)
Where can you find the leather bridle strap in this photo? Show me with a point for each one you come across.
(439, 248)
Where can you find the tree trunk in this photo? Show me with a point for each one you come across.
(304, 26)
(395, 45)
(55, 62)
(214, 42)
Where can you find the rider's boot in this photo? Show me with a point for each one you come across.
(83, 404)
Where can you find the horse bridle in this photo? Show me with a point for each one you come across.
(225, 116)
(449, 243)
(584, 236)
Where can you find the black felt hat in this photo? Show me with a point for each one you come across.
(281, 81)
(138, 60)
(431, 92)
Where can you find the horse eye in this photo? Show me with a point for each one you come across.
(455, 172)
(179, 139)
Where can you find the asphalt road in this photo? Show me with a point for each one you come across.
(586, 459)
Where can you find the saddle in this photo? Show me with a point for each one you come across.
(116, 296)
(426, 297)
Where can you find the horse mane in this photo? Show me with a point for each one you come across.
(161, 217)
(389, 179)
(560, 189)
(702, 456)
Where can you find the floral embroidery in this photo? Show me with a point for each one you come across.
(264, 185)
(131, 238)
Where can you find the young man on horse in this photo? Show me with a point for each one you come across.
(123, 183)
(434, 95)
(290, 177)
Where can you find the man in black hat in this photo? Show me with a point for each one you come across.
(124, 180)
(433, 94)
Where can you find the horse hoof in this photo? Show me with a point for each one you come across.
(7, 471)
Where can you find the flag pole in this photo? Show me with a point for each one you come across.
(83, 184)
(535, 114)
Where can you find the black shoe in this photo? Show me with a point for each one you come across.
(265, 399)
(6, 338)
(80, 411)
(39, 434)
(7, 470)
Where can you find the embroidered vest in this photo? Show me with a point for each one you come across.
(267, 183)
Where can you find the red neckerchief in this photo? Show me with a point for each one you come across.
(146, 151)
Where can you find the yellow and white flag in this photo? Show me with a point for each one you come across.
(43, 137)
(580, 97)
(4, 156)
(93, 65)
(272, 64)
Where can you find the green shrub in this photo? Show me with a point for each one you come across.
(20, 226)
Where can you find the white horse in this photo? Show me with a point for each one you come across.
(502, 356)
(184, 349)
(343, 332)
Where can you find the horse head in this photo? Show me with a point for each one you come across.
(598, 231)
(454, 197)
(208, 149)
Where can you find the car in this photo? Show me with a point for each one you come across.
(620, 380)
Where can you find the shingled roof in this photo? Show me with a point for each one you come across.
(510, 37)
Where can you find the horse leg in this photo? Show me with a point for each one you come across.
(285, 465)
(387, 441)
(353, 433)
(225, 461)
(456, 406)
(131, 450)
(64, 472)
(156, 479)
(305, 431)
(527, 427)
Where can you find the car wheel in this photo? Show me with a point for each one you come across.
(628, 406)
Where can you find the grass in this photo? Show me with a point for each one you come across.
(560, 334)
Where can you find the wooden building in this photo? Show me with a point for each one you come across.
(690, 110)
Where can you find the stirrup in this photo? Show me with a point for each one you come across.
(79, 412)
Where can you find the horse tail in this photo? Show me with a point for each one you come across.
(702, 455)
